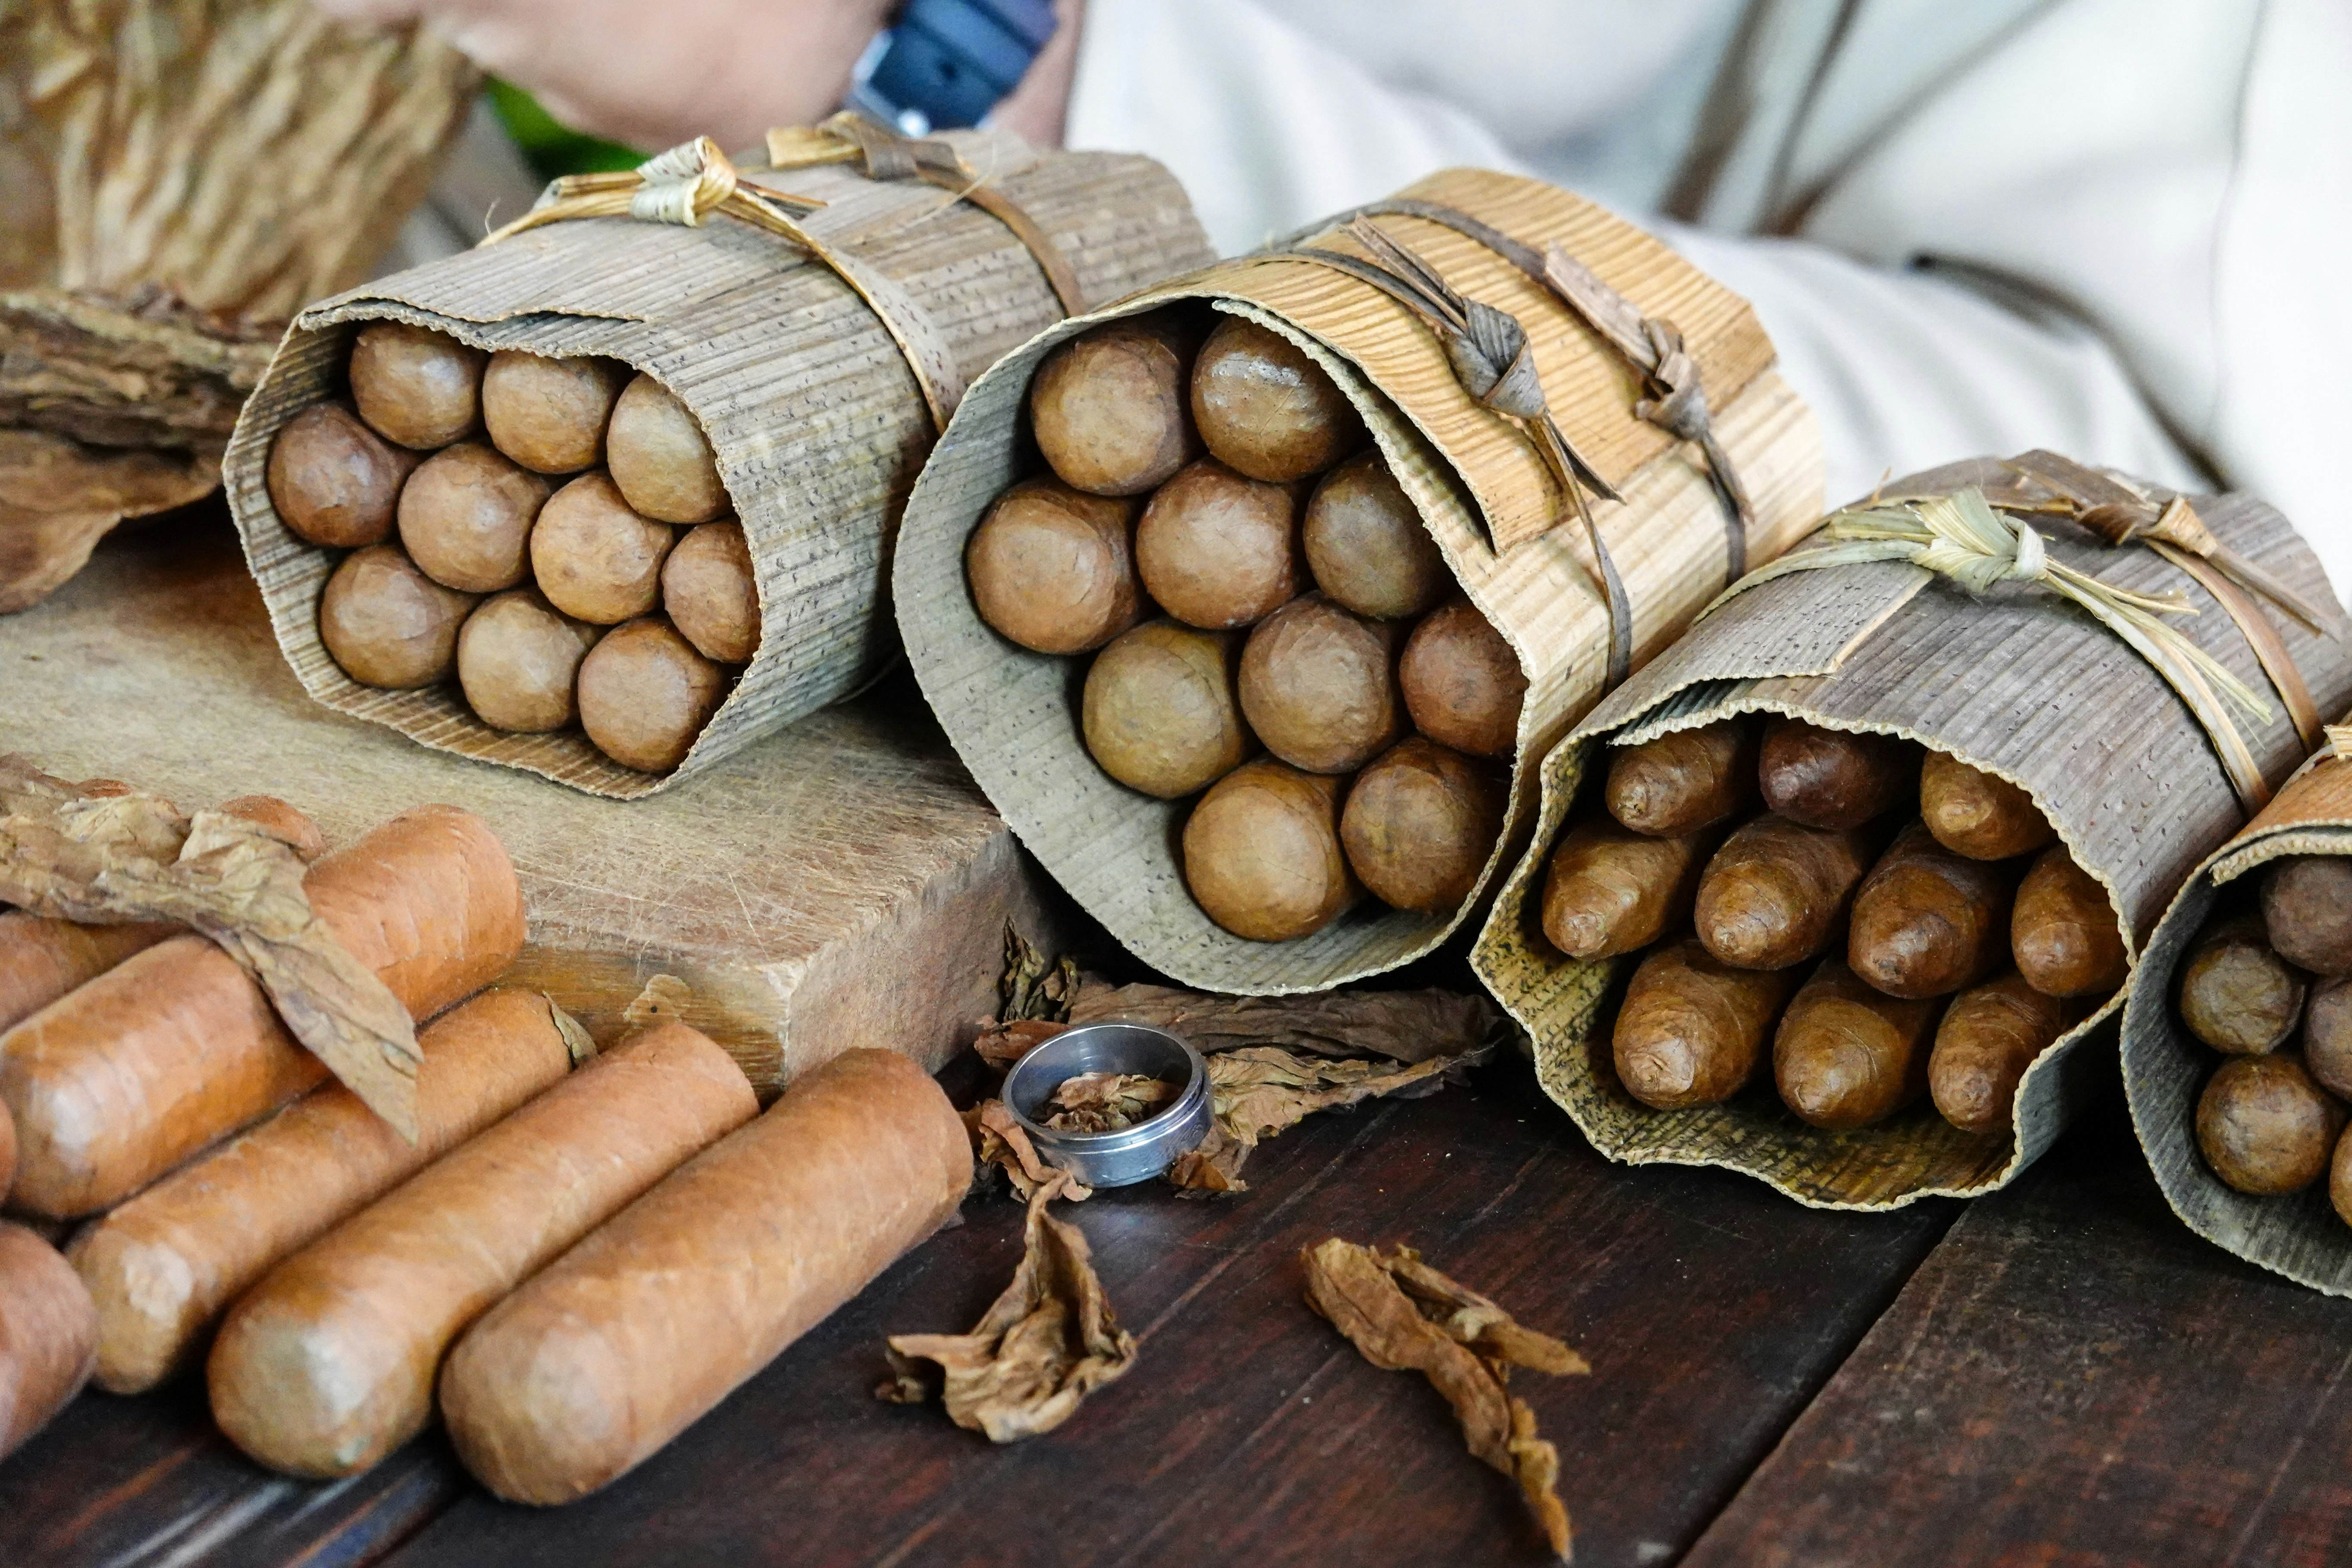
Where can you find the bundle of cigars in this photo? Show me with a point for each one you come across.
(609, 498)
(1252, 619)
(555, 1268)
(1858, 919)
(1836, 889)
(2237, 1040)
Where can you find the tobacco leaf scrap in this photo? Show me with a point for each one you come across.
(132, 857)
(1001, 1044)
(1031, 987)
(1256, 1092)
(1002, 1143)
(1404, 1316)
(1106, 1102)
(1047, 1343)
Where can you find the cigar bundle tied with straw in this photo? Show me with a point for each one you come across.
(786, 338)
(2083, 686)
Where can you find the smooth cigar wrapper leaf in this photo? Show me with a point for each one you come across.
(163, 1265)
(1847, 1055)
(1977, 813)
(1054, 568)
(1112, 408)
(1610, 890)
(1692, 1030)
(1341, 453)
(1686, 780)
(328, 1364)
(177, 1047)
(1927, 921)
(1988, 1037)
(1834, 779)
(2327, 1037)
(2265, 1127)
(2307, 911)
(658, 1314)
(708, 375)
(2062, 931)
(1419, 823)
(1263, 854)
(1777, 893)
(49, 1335)
(2236, 995)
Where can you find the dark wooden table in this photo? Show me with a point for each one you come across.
(2060, 1374)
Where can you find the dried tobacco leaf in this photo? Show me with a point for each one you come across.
(1047, 1343)
(1004, 1143)
(1001, 1044)
(1094, 1103)
(1404, 1026)
(1256, 1092)
(59, 497)
(128, 857)
(1032, 988)
(1404, 1316)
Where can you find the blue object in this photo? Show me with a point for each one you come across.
(946, 63)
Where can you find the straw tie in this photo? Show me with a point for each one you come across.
(1492, 358)
(1961, 536)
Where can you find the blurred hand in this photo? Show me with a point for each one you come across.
(652, 76)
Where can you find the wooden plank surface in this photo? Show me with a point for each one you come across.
(776, 885)
(2073, 1378)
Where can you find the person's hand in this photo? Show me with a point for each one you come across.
(653, 76)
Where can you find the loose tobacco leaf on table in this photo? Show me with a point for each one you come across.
(1405, 1316)
(1002, 1143)
(1108, 1101)
(1047, 1343)
(1256, 1092)
(1001, 1044)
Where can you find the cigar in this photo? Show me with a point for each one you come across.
(1927, 921)
(1776, 893)
(1834, 779)
(1610, 890)
(1692, 1031)
(1847, 1055)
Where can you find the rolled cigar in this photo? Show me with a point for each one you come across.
(2327, 1037)
(1054, 569)
(1265, 409)
(1318, 686)
(334, 481)
(659, 457)
(2062, 931)
(47, 1332)
(548, 415)
(1927, 921)
(2236, 995)
(1261, 853)
(1847, 1055)
(1692, 1031)
(164, 1265)
(1216, 550)
(414, 385)
(1685, 780)
(1610, 890)
(518, 659)
(466, 518)
(2264, 1127)
(1367, 546)
(43, 959)
(1161, 713)
(631, 1336)
(1834, 779)
(595, 558)
(327, 1364)
(2308, 909)
(1420, 822)
(1462, 683)
(387, 623)
(1110, 406)
(176, 1047)
(1989, 1035)
(1979, 815)
(1776, 893)
(710, 594)
(645, 695)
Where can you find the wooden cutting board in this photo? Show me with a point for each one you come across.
(840, 884)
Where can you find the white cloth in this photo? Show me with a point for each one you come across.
(2112, 228)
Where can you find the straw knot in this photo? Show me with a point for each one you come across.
(1494, 362)
(682, 185)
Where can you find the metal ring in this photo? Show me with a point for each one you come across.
(1131, 1155)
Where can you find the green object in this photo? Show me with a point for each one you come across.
(550, 148)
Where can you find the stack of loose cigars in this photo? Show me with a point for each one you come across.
(1860, 955)
(565, 548)
(568, 1267)
(2269, 987)
(1247, 573)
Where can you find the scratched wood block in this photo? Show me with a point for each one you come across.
(841, 883)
